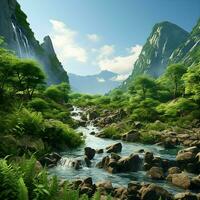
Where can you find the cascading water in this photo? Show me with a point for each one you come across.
(17, 40)
(22, 42)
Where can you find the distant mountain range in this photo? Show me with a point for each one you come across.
(94, 84)
(167, 43)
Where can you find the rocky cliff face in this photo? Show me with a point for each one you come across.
(187, 52)
(154, 58)
(19, 37)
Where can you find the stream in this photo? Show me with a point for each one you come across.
(64, 170)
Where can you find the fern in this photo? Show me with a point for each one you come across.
(23, 191)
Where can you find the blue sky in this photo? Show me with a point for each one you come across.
(94, 35)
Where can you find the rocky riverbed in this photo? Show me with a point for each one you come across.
(129, 170)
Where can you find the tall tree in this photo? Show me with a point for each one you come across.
(174, 75)
(144, 84)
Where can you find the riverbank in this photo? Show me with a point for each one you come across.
(73, 165)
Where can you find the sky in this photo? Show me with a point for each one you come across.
(94, 35)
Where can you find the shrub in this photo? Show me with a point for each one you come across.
(111, 132)
(26, 122)
(38, 104)
(60, 136)
(149, 137)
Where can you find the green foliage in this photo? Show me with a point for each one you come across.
(25, 122)
(174, 75)
(59, 135)
(23, 191)
(38, 104)
(177, 108)
(9, 181)
(143, 85)
(111, 132)
(149, 137)
(192, 82)
(58, 93)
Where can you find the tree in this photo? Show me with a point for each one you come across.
(144, 84)
(59, 93)
(192, 82)
(27, 77)
(174, 74)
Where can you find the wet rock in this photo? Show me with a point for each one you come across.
(115, 156)
(104, 186)
(181, 180)
(50, 160)
(93, 115)
(131, 163)
(92, 133)
(154, 192)
(148, 157)
(185, 196)
(120, 193)
(133, 190)
(174, 170)
(99, 151)
(156, 173)
(141, 151)
(185, 157)
(89, 152)
(131, 136)
(115, 148)
(87, 161)
(195, 183)
(77, 164)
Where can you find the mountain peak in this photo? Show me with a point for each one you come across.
(48, 45)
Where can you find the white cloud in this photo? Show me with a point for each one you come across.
(93, 37)
(120, 78)
(100, 80)
(106, 51)
(120, 64)
(64, 40)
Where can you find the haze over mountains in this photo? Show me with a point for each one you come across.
(95, 84)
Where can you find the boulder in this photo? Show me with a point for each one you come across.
(115, 148)
(104, 186)
(93, 115)
(195, 183)
(99, 151)
(133, 190)
(148, 157)
(87, 161)
(185, 157)
(181, 180)
(131, 136)
(156, 173)
(154, 192)
(89, 152)
(174, 170)
(131, 163)
(185, 196)
(120, 193)
(76, 164)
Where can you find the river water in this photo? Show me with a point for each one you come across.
(64, 170)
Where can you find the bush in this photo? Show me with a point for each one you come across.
(149, 137)
(26, 122)
(60, 136)
(38, 104)
(111, 132)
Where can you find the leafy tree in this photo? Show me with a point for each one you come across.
(192, 81)
(174, 74)
(28, 76)
(144, 84)
(59, 93)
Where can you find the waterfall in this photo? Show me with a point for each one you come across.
(17, 40)
(21, 39)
